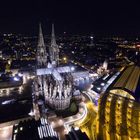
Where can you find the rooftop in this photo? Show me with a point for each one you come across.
(129, 81)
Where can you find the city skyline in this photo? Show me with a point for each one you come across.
(69, 70)
(69, 88)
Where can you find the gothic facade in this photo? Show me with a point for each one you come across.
(56, 87)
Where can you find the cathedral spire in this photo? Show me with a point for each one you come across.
(41, 50)
(53, 40)
(41, 38)
(54, 49)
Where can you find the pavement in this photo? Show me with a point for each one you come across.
(63, 125)
(6, 132)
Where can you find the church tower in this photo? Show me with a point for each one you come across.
(105, 65)
(41, 50)
(55, 87)
(54, 49)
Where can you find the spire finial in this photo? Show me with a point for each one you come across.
(41, 38)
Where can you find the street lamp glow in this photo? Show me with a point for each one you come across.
(98, 88)
(72, 68)
(102, 84)
(31, 113)
(64, 58)
(20, 75)
(16, 79)
(76, 128)
(91, 37)
(21, 128)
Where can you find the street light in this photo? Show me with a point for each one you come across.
(76, 128)
(102, 84)
(20, 75)
(64, 58)
(16, 79)
(72, 68)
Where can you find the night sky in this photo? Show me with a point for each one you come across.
(103, 17)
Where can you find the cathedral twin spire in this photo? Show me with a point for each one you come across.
(54, 49)
(53, 40)
(41, 38)
(41, 50)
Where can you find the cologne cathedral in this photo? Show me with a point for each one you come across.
(52, 82)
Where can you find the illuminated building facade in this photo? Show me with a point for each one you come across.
(119, 108)
(105, 65)
(118, 118)
(104, 68)
(56, 85)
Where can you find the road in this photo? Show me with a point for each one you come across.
(88, 125)
(63, 125)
